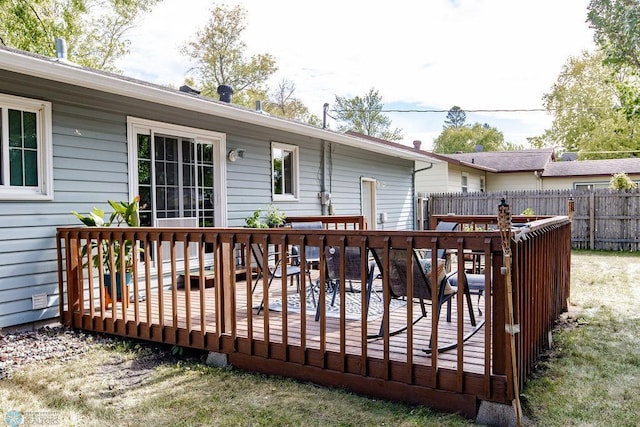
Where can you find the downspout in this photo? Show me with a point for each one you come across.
(413, 191)
(323, 163)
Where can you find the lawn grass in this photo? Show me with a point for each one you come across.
(591, 377)
(130, 384)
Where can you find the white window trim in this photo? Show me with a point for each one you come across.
(296, 176)
(137, 126)
(464, 187)
(44, 190)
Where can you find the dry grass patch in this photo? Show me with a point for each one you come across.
(141, 386)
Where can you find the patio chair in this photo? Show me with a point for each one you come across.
(311, 254)
(474, 282)
(352, 272)
(421, 288)
(274, 272)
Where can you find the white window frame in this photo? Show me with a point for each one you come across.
(464, 182)
(593, 185)
(42, 109)
(295, 177)
(137, 126)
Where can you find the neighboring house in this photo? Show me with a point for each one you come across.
(73, 138)
(483, 171)
(588, 174)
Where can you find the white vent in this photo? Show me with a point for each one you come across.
(39, 301)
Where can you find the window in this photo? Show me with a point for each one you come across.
(26, 165)
(590, 185)
(464, 182)
(180, 174)
(482, 184)
(284, 171)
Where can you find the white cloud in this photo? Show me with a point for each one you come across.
(478, 54)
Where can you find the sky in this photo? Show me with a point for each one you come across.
(418, 54)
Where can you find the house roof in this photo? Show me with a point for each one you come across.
(592, 167)
(65, 72)
(508, 161)
(432, 159)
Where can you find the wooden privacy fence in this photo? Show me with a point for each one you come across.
(604, 219)
(252, 322)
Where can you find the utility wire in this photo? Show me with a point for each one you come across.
(481, 110)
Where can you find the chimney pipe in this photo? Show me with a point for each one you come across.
(416, 144)
(225, 93)
(61, 49)
(259, 106)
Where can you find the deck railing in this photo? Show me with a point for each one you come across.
(217, 310)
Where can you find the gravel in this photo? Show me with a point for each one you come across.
(21, 348)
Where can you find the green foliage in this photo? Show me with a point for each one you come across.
(617, 33)
(456, 117)
(364, 115)
(465, 139)
(94, 30)
(273, 218)
(621, 181)
(219, 53)
(124, 213)
(528, 212)
(583, 103)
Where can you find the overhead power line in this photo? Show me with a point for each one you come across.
(483, 110)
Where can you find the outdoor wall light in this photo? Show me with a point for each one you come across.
(236, 154)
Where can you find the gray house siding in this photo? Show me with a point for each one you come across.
(90, 166)
(393, 176)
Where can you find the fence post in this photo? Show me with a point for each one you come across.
(592, 220)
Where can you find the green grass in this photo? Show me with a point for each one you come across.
(590, 378)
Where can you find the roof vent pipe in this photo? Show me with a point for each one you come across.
(259, 106)
(416, 144)
(61, 49)
(225, 93)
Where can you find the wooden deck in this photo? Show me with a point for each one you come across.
(215, 313)
(148, 311)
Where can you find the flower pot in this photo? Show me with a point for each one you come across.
(118, 285)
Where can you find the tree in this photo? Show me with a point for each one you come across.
(617, 33)
(282, 103)
(455, 117)
(583, 103)
(94, 30)
(467, 139)
(219, 53)
(364, 115)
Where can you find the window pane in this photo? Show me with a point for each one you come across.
(172, 174)
(288, 172)
(159, 148)
(144, 147)
(171, 149)
(30, 168)
(277, 171)
(15, 128)
(29, 127)
(15, 167)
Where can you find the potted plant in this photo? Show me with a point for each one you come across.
(273, 218)
(124, 214)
